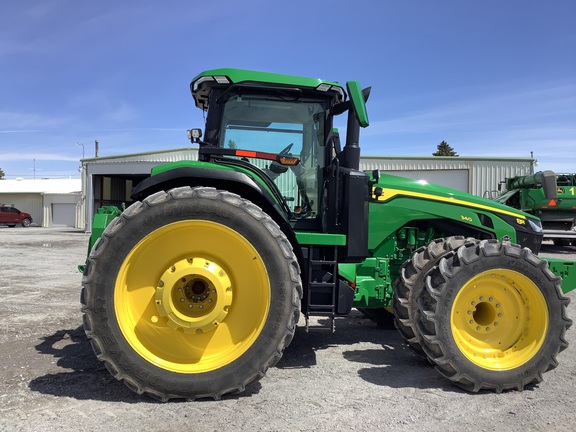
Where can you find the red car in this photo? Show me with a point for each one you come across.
(11, 216)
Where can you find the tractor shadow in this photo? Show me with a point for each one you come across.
(84, 377)
(381, 353)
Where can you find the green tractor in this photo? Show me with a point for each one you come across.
(549, 196)
(195, 290)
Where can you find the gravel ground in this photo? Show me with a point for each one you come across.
(359, 378)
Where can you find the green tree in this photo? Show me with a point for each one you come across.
(232, 144)
(2, 174)
(444, 149)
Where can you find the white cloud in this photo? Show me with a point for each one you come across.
(28, 156)
(22, 121)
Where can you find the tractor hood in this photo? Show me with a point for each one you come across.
(390, 187)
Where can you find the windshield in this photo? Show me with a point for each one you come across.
(274, 125)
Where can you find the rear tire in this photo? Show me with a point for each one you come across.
(493, 317)
(26, 223)
(191, 293)
(411, 283)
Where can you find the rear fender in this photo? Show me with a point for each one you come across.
(232, 181)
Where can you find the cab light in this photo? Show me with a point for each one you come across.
(220, 79)
(535, 225)
(326, 87)
(200, 81)
(282, 160)
(246, 153)
(288, 160)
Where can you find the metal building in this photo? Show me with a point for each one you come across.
(109, 180)
(50, 202)
(476, 175)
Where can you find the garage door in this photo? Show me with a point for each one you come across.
(455, 179)
(64, 215)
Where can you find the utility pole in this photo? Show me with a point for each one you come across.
(80, 144)
(34, 169)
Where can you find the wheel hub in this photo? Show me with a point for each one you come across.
(484, 313)
(499, 319)
(194, 294)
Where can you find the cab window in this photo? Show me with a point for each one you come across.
(274, 125)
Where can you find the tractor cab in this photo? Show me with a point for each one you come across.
(281, 128)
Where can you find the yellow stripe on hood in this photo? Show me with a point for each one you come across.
(388, 194)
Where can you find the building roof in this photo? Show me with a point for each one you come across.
(170, 155)
(42, 186)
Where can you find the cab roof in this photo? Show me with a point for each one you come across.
(202, 84)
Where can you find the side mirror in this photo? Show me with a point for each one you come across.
(548, 179)
(358, 97)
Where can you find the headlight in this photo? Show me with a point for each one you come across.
(536, 225)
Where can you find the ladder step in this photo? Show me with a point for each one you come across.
(322, 284)
(320, 262)
(322, 281)
(332, 323)
(321, 306)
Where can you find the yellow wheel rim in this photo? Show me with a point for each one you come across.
(499, 319)
(192, 296)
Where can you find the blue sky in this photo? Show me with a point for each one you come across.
(492, 78)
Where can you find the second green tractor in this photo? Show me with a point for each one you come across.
(549, 196)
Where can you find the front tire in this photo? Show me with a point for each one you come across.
(493, 317)
(191, 293)
(26, 223)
